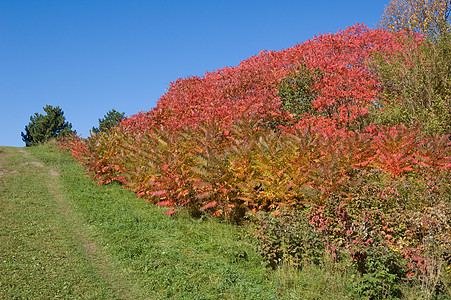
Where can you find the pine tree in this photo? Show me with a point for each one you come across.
(111, 119)
(44, 127)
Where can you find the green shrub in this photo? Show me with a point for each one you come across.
(382, 271)
(296, 91)
(416, 86)
(286, 237)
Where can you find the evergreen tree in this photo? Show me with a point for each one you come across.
(111, 119)
(44, 127)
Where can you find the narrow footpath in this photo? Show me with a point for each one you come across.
(45, 249)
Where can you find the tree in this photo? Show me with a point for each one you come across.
(431, 17)
(111, 119)
(417, 86)
(44, 127)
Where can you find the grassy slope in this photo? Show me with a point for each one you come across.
(65, 236)
(39, 257)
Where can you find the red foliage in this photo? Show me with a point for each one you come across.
(207, 145)
(75, 144)
(344, 90)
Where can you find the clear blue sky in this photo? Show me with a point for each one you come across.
(89, 56)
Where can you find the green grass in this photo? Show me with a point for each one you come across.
(39, 257)
(64, 236)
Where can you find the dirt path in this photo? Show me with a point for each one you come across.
(97, 257)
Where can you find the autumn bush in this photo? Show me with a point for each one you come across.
(304, 143)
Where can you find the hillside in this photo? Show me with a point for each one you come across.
(63, 236)
(337, 147)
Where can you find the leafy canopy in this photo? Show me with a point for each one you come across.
(295, 91)
(111, 119)
(44, 127)
(430, 17)
(417, 86)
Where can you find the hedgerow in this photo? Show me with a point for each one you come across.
(289, 140)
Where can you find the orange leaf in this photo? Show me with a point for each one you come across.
(209, 205)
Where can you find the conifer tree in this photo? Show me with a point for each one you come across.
(111, 119)
(44, 127)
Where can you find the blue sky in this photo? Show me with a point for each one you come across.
(88, 57)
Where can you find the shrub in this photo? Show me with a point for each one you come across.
(296, 91)
(339, 187)
(345, 89)
(286, 237)
(382, 273)
(417, 86)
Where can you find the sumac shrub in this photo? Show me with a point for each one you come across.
(287, 133)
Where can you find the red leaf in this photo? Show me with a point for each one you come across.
(217, 213)
(209, 205)
(158, 193)
(171, 212)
